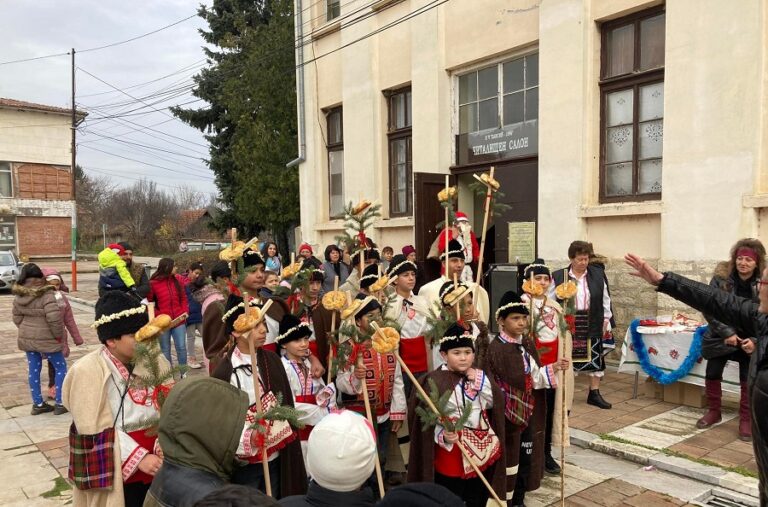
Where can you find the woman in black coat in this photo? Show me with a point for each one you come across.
(741, 313)
(723, 342)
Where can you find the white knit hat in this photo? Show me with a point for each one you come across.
(341, 451)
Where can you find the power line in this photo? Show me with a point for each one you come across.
(102, 47)
(198, 63)
(148, 146)
(143, 163)
(138, 36)
(106, 172)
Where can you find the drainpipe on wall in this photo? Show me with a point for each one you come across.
(299, 33)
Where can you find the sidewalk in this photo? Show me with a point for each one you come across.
(649, 431)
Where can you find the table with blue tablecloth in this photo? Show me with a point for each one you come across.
(667, 348)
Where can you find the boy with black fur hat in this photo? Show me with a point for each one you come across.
(435, 455)
(370, 256)
(513, 363)
(370, 276)
(410, 313)
(461, 295)
(380, 373)
(431, 291)
(286, 465)
(312, 398)
(99, 394)
(550, 333)
(305, 303)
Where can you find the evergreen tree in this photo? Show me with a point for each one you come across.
(251, 118)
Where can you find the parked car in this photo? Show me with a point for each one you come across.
(9, 269)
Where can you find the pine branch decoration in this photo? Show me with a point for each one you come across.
(355, 226)
(439, 320)
(429, 418)
(497, 207)
(147, 356)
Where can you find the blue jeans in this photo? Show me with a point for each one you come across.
(179, 335)
(35, 364)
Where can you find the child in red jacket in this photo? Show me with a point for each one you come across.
(166, 289)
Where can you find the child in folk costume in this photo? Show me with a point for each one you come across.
(99, 393)
(462, 295)
(410, 313)
(306, 305)
(435, 455)
(513, 363)
(286, 465)
(367, 369)
(312, 398)
(550, 335)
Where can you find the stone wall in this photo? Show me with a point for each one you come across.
(633, 298)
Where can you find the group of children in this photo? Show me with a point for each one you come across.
(500, 385)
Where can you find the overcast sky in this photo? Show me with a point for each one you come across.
(43, 27)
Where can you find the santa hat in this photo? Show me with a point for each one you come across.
(455, 250)
(117, 248)
(399, 265)
(511, 303)
(456, 336)
(341, 451)
(461, 217)
(291, 329)
(118, 314)
(306, 246)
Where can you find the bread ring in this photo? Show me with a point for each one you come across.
(566, 290)
(446, 194)
(491, 182)
(334, 300)
(380, 284)
(534, 289)
(385, 340)
(361, 206)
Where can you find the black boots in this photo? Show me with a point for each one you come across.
(597, 400)
(550, 465)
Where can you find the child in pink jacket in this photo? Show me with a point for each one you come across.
(52, 277)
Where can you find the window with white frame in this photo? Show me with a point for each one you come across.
(503, 94)
(6, 188)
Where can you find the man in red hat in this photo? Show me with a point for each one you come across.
(462, 232)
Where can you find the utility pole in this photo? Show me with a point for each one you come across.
(74, 193)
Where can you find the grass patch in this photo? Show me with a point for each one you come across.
(60, 485)
(677, 454)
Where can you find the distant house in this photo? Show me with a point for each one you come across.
(36, 188)
(194, 224)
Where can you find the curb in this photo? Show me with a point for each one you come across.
(82, 301)
(679, 466)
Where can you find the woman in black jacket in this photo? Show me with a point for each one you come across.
(741, 313)
(723, 342)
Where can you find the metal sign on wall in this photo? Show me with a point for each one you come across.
(522, 242)
(510, 141)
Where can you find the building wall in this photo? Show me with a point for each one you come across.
(38, 147)
(715, 179)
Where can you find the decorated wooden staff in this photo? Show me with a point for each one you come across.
(447, 232)
(333, 302)
(386, 340)
(255, 378)
(492, 186)
(458, 305)
(564, 292)
(369, 414)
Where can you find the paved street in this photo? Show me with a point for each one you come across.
(34, 452)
